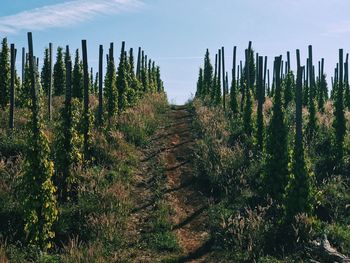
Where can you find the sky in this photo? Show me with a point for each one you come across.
(176, 33)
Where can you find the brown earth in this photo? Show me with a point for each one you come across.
(173, 144)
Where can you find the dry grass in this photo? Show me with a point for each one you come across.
(3, 257)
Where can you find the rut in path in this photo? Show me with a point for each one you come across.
(189, 216)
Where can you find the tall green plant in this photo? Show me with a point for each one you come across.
(339, 122)
(59, 73)
(200, 87)
(312, 124)
(233, 89)
(39, 200)
(299, 190)
(248, 110)
(46, 72)
(5, 73)
(207, 74)
(67, 145)
(275, 178)
(77, 78)
(288, 88)
(122, 81)
(260, 116)
(110, 89)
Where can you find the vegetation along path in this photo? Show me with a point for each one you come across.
(167, 183)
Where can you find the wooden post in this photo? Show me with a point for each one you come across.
(223, 77)
(68, 80)
(264, 81)
(219, 71)
(138, 67)
(268, 82)
(341, 65)
(91, 80)
(226, 82)
(260, 96)
(307, 72)
(273, 78)
(86, 102)
(286, 68)
(238, 76)
(100, 83)
(242, 85)
(215, 75)
(319, 70)
(12, 88)
(142, 66)
(314, 81)
(322, 66)
(337, 73)
(256, 71)
(278, 66)
(256, 76)
(281, 72)
(23, 63)
(298, 102)
(50, 84)
(346, 69)
(311, 77)
(216, 66)
(248, 66)
(111, 51)
(33, 90)
(234, 66)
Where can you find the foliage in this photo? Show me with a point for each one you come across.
(244, 232)
(4, 73)
(122, 81)
(67, 148)
(110, 89)
(77, 77)
(339, 125)
(288, 87)
(339, 235)
(276, 172)
(207, 75)
(59, 73)
(299, 190)
(39, 201)
(233, 97)
(247, 113)
(46, 72)
(200, 86)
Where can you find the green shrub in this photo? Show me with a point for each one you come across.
(12, 145)
(339, 236)
(243, 233)
(334, 200)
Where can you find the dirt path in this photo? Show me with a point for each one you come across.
(190, 218)
(188, 206)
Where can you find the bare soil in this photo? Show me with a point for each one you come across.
(189, 206)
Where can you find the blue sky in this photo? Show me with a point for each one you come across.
(176, 33)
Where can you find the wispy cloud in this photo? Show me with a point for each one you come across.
(337, 28)
(64, 14)
(178, 58)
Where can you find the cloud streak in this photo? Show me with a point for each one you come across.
(64, 14)
(337, 28)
